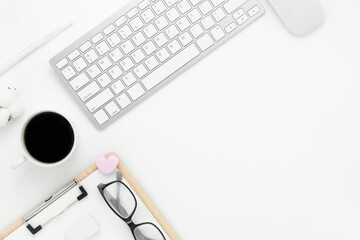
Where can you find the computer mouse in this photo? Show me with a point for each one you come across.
(301, 17)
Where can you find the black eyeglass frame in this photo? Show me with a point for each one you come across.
(127, 220)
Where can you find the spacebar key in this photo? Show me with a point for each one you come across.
(170, 67)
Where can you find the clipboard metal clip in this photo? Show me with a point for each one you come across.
(50, 201)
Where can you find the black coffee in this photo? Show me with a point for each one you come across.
(49, 137)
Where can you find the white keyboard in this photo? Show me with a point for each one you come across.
(144, 45)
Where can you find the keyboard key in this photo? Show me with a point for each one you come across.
(151, 63)
(205, 42)
(88, 91)
(127, 46)
(116, 55)
(195, 2)
(172, 14)
(91, 56)
(140, 71)
(242, 19)
(161, 22)
(97, 38)
(99, 100)
(109, 29)
(159, 7)
(174, 46)
(80, 64)
(62, 63)
(185, 38)
(79, 81)
(115, 72)
(101, 117)
(253, 11)
(160, 39)
(126, 64)
(217, 2)
(136, 91)
(207, 22)
(102, 48)
(149, 47)
(136, 23)
(125, 32)
(132, 12)
(123, 100)
(217, 33)
(196, 30)
(104, 63)
(171, 31)
(129, 79)
(104, 80)
(184, 6)
(144, 4)
(205, 7)
(138, 56)
(231, 27)
(171, 66)
(170, 2)
(232, 5)
(194, 15)
(120, 21)
(238, 14)
(74, 55)
(117, 87)
(138, 39)
(68, 72)
(183, 23)
(150, 31)
(85, 46)
(163, 54)
(112, 109)
(219, 14)
(93, 71)
(113, 40)
(147, 15)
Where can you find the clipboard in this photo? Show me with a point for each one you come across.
(82, 194)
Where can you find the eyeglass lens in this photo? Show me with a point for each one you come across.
(123, 203)
(147, 232)
(120, 199)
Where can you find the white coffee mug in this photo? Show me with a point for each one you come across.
(27, 156)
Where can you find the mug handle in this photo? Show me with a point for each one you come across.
(19, 162)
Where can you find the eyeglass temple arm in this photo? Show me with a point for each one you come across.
(117, 206)
(119, 178)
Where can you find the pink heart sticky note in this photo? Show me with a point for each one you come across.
(107, 165)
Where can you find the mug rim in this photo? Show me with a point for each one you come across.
(26, 153)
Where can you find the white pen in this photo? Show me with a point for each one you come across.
(35, 45)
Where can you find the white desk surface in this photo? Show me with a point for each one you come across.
(260, 140)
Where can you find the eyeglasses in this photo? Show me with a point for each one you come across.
(123, 203)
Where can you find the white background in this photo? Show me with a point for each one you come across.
(260, 140)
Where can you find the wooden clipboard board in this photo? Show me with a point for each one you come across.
(134, 185)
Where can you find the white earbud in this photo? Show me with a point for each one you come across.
(7, 95)
(15, 111)
(4, 116)
(8, 110)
